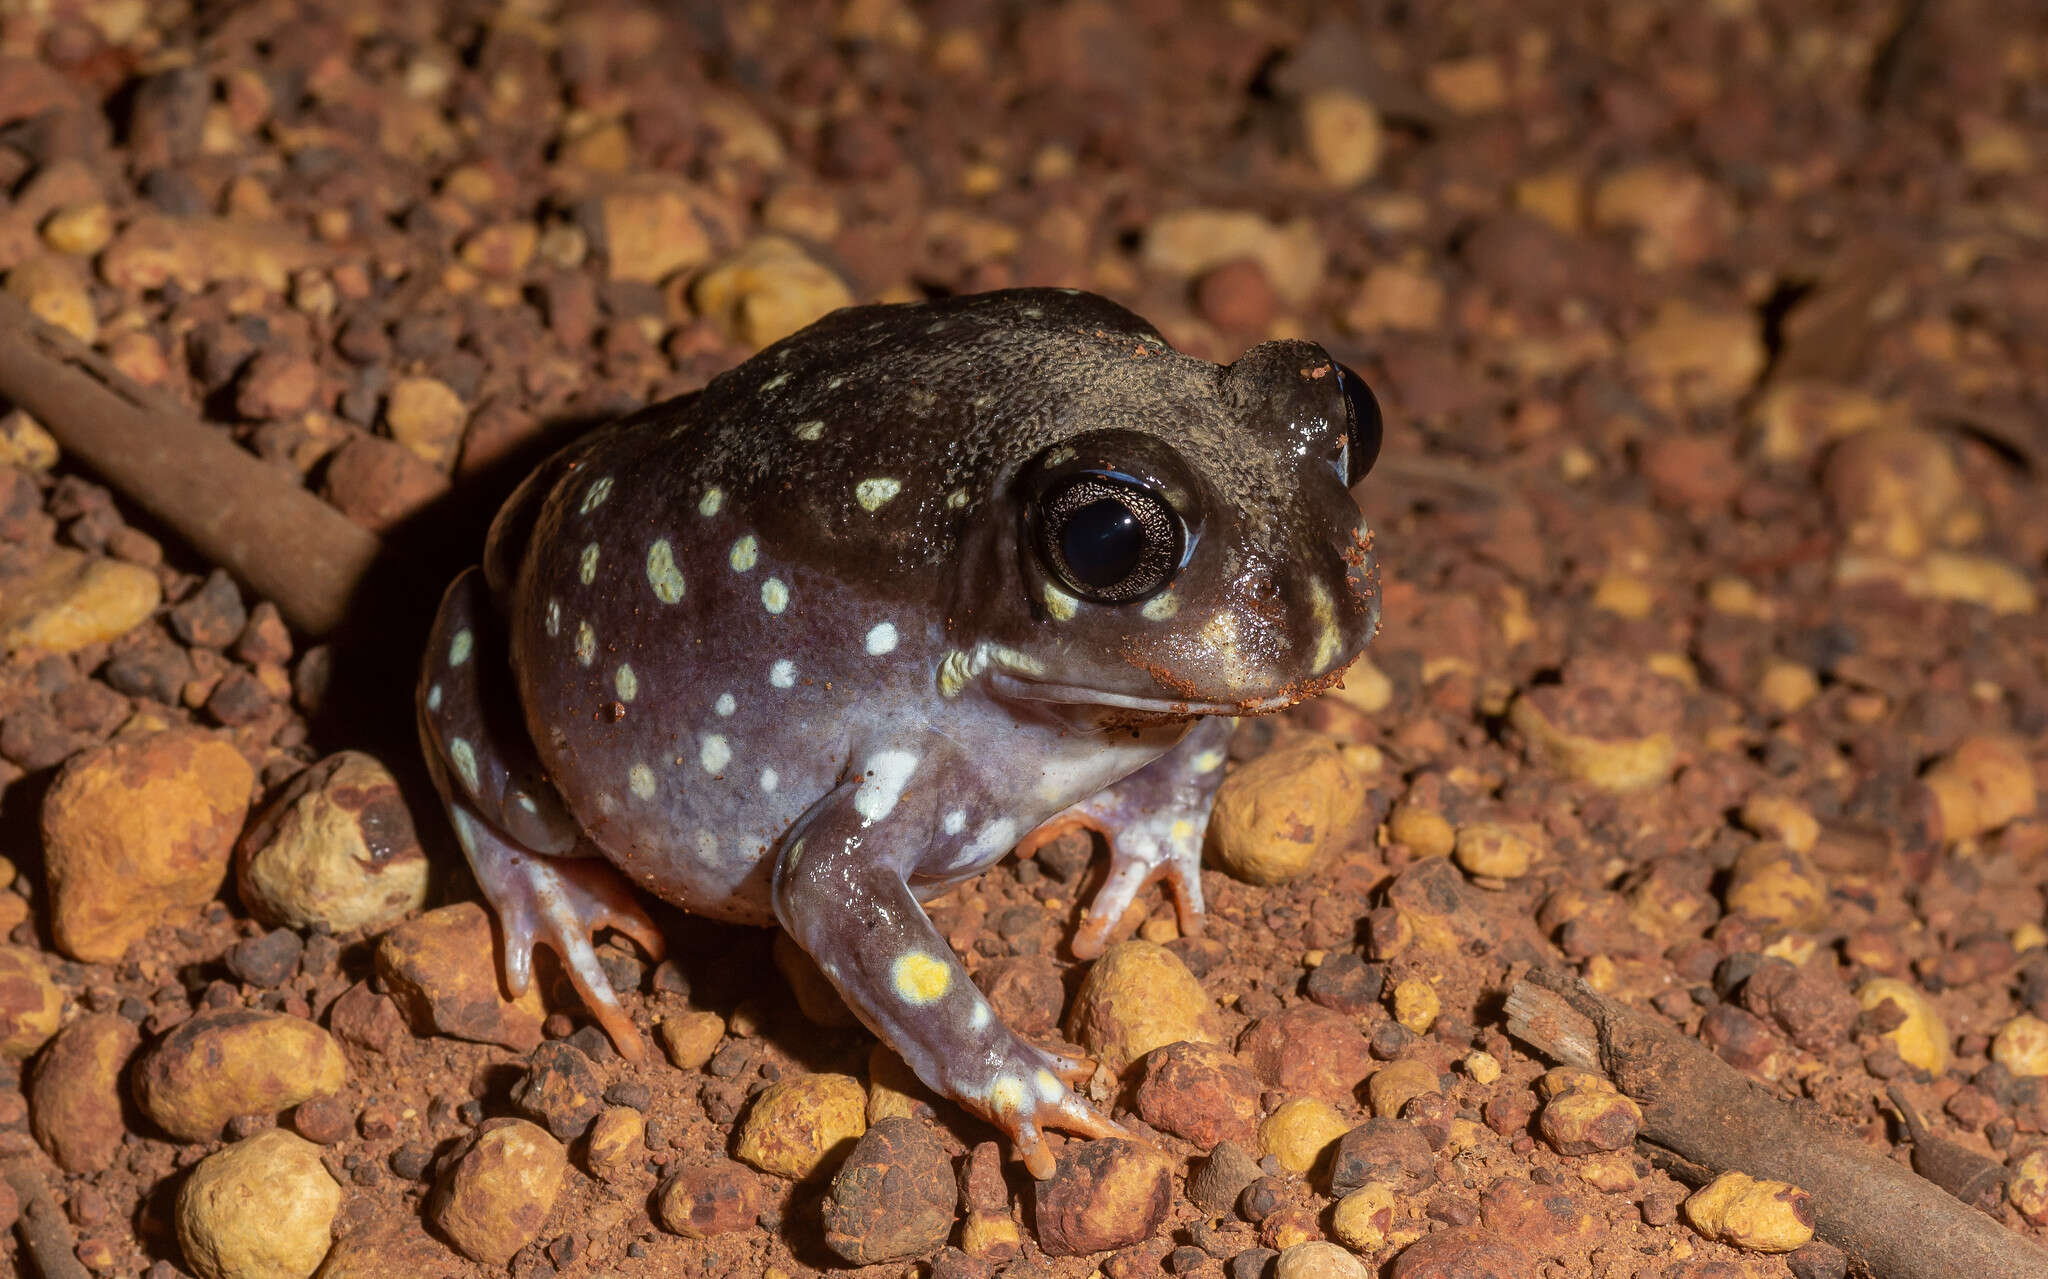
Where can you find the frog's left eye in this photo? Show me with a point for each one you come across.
(1363, 426)
(1108, 537)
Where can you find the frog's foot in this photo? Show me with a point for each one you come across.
(1153, 821)
(560, 903)
(1026, 1112)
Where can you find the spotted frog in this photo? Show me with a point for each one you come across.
(916, 586)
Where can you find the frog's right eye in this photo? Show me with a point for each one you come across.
(1363, 426)
(1109, 537)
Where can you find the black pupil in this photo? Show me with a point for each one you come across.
(1102, 543)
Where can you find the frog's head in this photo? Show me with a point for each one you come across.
(1188, 544)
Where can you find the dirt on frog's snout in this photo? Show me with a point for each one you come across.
(1711, 670)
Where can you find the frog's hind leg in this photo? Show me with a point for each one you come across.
(521, 842)
(1153, 821)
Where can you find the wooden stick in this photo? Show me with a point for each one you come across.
(279, 540)
(44, 1233)
(1893, 1223)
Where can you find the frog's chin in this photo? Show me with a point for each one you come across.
(1018, 688)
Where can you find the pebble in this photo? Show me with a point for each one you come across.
(1318, 1260)
(1891, 489)
(1584, 1114)
(800, 1127)
(268, 960)
(276, 384)
(689, 1038)
(2027, 1186)
(1236, 296)
(1308, 1050)
(1346, 984)
(54, 290)
(138, 831)
(1276, 817)
(1621, 765)
(1215, 1183)
(1183, 243)
(651, 231)
(213, 615)
(617, 1142)
(442, 971)
(72, 600)
(893, 1198)
(1343, 136)
(1749, 1212)
(426, 416)
(1495, 850)
(498, 1190)
(1707, 356)
(1922, 1039)
(709, 1199)
(1137, 997)
(1462, 1253)
(259, 1209)
(1199, 1092)
(2021, 1046)
(1363, 1219)
(815, 997)
(30, 1003)
(1984, 783)
(378, 482)
(75, 1097)
(1301, 1133)
(1423, 831)
(386, 1244)
(1777, 887)
(335, 847)
(218, 1065)
(25, 444)
(1381, 1149)
(766, 292)
(1397, 1083)
(1416, 1005)
(1103, 1194)
(79, 229)
(1396, 297)
(560, 1091)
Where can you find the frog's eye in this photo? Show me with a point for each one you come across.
(1109, 538)
(1362, 426)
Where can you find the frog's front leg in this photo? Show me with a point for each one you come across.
(531, 861)
(841, 892)
(1153, 821)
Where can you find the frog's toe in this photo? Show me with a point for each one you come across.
(1026, 1119)
(1135, 864)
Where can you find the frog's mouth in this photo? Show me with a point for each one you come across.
(1031, 690)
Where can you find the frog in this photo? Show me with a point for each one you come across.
(919, 585)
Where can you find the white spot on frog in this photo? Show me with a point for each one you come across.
(745, 554)
(460, 647)
(881, 639)
(1161, 606)
(553, 618)
(641, 779)
(774, 595)
(714, 753)
(1050, 1088)
(434, 698)
(810, 431)
(725, 705)
(463, 756)
(978, 1018)
(783, 673)
(662, 573)
(586, 567)
(776, 382)
(1006, 1096)
(888, 772)
(956, 821)
(1058, 603)
(586, 643)
(995, 837)
(714, 497)
(770, 779)
(594, 496)
(1208, 761)
(626, 682)
(956, 499)
(872, 494)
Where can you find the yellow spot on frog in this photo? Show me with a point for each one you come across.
(586, 643)
(774, 595)
(714, 497)
(599, 491)
(586, 568)
(919, 978)
(1006, 1096)
(662, 573)
(459, 647)
(872, 494)
(1060, 604)
(745, 553)
(464, 757)
(956, 499)
(810, 431)
(1161, 606)
(1328, 640)
(626, 682)
(1183, 830)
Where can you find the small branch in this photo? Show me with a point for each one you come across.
(45, 1234)
(279, 540)
(1715, 1119)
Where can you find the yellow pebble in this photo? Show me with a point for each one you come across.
(1393, 1085)
(1426, 833)
(1483, 1067)
(1762, 1216)
(1494, 850)
(1300, 1132)
(1362, 1218)
(1922, 1039)
(1416, 1005)
(2021, 1046)
(2028, 1187)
